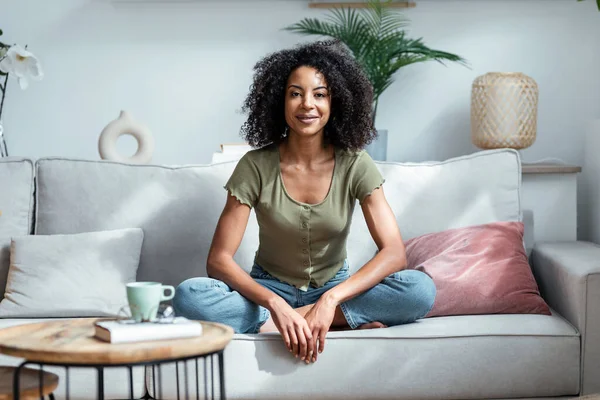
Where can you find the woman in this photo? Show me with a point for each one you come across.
(309, 116)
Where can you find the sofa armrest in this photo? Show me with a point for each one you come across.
(568, 275)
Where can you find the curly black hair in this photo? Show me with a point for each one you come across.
(350, 125)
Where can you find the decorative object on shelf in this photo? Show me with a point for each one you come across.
(504, 110)
(126, 125)
(23, 65)
(230, 152)
(380, 44)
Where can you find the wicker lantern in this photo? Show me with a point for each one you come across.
(504, 110)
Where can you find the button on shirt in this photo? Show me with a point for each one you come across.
(302, 244)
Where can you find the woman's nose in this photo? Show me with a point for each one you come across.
(308, 102)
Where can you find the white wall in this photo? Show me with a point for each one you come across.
(184, 68)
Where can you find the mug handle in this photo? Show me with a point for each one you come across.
(170, 295)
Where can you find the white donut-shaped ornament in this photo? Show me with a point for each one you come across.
(126, 125)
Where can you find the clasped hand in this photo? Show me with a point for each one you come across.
(304, 336)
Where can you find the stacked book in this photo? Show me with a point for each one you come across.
(231, 152)
(125, 331)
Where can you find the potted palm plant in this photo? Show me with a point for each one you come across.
(376, 37)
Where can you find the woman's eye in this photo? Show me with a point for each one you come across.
(295, 94)
(320, 95)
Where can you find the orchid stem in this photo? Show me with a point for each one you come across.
(3, 95)
(3, 147)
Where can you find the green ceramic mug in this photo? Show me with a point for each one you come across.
(145, 297)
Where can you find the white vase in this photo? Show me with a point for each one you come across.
(378, 148)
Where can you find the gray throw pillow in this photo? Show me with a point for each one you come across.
(75, 275)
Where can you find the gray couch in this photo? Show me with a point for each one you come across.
(461, 357)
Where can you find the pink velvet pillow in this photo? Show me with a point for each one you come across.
(479, 269)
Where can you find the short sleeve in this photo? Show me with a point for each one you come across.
(244, 182)
(365, 177)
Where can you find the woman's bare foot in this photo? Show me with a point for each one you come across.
(372, 325)
(340, 323)
(268, 326)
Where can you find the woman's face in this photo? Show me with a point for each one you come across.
(307, 102)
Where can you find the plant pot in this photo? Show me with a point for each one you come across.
(378, 148)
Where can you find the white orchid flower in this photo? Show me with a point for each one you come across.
(22, 64)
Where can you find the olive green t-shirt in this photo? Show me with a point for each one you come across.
(302, 244)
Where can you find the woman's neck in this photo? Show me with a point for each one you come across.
(305, 150)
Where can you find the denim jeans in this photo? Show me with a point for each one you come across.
(401, 298)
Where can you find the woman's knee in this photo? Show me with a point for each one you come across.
(422, 291)
(193, 296)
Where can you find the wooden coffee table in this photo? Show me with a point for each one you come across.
(71, 343)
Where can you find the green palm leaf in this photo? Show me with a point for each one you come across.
(376, 38)
(597, 3)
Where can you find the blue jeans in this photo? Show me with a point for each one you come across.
(401, 298)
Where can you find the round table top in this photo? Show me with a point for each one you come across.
(29, 381)
(72, 341)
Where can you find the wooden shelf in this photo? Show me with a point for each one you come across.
(399, 4)
(548, 168)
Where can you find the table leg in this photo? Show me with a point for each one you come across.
(154, 379)
(131, 382)
(41, 386)
(197, 381)
(160, 386)
(185, 379)
(67, 389)
(16, 381)
(177, 377)
(41, 382)
(222, 374)
(205, 378)
(100, 383)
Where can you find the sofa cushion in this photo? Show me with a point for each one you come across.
(76, 275)
(431, 197)
(177, 208)
(82, 381)
(480, 269)
(459, 357)
(16, 206)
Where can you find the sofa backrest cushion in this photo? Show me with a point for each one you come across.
(178, 206)
(16, 207)
(431, 197)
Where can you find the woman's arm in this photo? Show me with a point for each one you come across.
(221, 265)
(391, 257)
